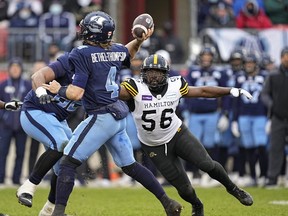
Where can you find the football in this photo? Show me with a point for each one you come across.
(141, 24)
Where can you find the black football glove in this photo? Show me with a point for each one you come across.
(13, 105)
(46, 99)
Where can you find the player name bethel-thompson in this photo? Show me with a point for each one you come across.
(108, 57)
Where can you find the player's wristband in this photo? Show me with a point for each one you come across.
(62, 91)
(40, 91)
(235, 92)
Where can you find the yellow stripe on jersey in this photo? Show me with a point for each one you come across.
(184, 90)
(155, 59)
(129, 88)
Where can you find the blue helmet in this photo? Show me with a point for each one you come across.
(97, 27)
(265, 60)
(208, 49)
(251, 57)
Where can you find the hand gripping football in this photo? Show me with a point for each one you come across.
(141, 24)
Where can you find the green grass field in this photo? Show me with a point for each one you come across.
(139, 202)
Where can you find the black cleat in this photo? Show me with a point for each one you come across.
(25, 199)
(198, 210)
(173, 208)
(244, 197)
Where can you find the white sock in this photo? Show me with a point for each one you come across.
(48, 207)
(27, 187)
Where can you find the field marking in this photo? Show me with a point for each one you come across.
(279, 202)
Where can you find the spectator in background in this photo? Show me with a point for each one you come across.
(172, 43)
(274, 96)
(251, 116)
(22, 42)
(267, 63)
(251, 16)
(78, 7)
(82, 7)
(220, 16)
(3, 9)
(152, 44)
(277, 11)
(228, 144)
(53, 52)
(203, 7)
(14, 88)
(15, 5)
(57, 26)
(239, 4)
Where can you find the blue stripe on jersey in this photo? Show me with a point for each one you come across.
(82, 135)
(42, 129)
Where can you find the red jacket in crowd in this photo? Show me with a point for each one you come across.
(258, 21)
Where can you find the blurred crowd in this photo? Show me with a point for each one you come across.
(235, 132)
(257, 14)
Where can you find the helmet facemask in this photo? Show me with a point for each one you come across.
(154, 72)
(155, 79)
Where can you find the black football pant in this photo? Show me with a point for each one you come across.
(184, 145)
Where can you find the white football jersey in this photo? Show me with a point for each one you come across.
(155, 116)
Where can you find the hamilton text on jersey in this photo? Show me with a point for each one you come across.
(159, 104)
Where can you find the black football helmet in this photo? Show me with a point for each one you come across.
(97, 27)
(155, 72)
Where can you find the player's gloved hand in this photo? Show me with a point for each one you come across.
(235, 129)
(223, 123)
(13, 105)
(268, 127)
(236, 92)
(44, 98)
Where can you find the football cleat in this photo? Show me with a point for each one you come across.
(173, 208)
(198, 210)
(25, 199)
(244, 197)
(25, 193)
(47, 209)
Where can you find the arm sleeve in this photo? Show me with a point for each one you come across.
(130, 86)
(184, 87)
(81, 67)
(58, 69)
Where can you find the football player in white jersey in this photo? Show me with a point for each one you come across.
(153, 99)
